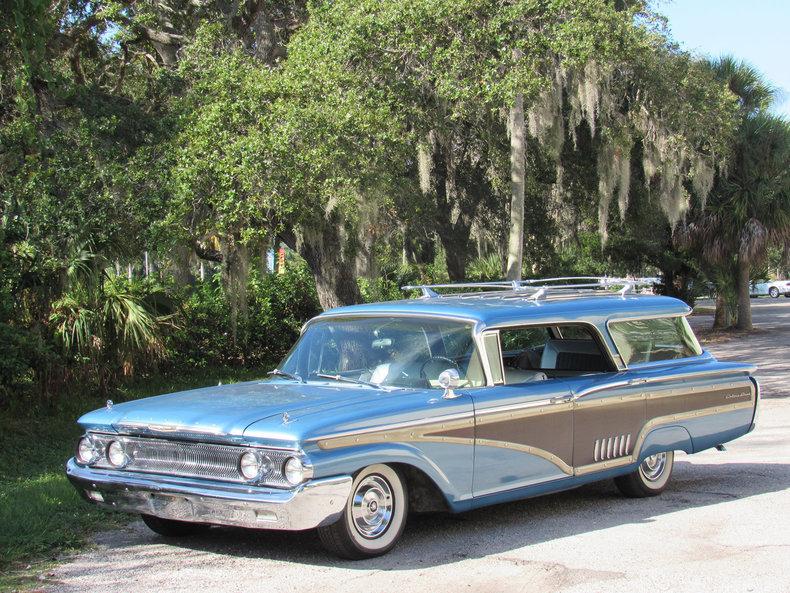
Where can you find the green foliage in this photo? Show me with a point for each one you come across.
(280, 304)
(484, 269)
(24, 357)
(749, 207)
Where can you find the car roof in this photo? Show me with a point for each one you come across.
(496, 309)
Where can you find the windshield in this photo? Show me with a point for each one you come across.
(405, 352)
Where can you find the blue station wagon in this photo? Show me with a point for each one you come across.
(470, 395)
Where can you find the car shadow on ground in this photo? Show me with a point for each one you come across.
(439, 539)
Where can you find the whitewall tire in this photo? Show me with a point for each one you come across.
(650, 478)
(373, 518)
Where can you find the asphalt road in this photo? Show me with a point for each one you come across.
(722, 525)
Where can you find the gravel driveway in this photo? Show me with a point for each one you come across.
(722, 525)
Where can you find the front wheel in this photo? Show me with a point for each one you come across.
(374, 516)
(774, 292)
(650, 478)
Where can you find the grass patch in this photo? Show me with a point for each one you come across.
(40, 512)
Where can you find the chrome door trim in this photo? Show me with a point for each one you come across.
(489, 374)
(550, 401)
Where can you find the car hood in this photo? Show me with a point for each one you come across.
(224, 410)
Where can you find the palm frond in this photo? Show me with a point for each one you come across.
(745, 82)
(75, 325)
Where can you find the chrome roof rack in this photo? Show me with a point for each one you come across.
(533, 289)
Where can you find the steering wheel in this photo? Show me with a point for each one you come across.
(450, 361)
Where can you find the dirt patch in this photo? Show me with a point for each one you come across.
(718, 336)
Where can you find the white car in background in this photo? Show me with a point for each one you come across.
(771, 288)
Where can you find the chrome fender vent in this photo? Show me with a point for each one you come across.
(611, 447)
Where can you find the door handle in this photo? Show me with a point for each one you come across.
(638, 381)
(561, 399)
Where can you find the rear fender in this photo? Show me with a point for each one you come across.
(666, 438)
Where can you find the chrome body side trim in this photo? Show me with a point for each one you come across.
(662, 379)
(439, 421)
(312, 504)
(566, 469)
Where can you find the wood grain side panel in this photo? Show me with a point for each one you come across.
(612, 418)
(667, 404)
(549, 432)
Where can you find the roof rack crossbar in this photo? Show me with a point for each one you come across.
(539, 287)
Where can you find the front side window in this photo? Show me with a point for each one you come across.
(652, 340)
(394, 352)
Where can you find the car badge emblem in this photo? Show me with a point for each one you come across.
(109, 404)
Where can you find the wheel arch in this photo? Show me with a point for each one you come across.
(666, 438)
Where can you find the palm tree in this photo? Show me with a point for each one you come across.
(749, 207)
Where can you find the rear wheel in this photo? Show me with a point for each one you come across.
(172, 528)
(774, 292)
(374, 516)
(650, 478)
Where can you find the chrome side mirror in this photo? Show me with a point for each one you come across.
(449, 379)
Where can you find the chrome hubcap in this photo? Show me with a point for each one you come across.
(653, 467)
(371, 507)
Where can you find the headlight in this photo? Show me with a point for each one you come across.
(116, 454)
(250, 465)
(86, 451)
(296, 472)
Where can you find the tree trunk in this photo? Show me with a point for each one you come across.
(180, 265)
(515, 247)
(365, 260)
(235, 274)
(323, 249)
(744, 301)
(454, 210)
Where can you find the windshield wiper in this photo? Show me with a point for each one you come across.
(292, 377)
(343, 379)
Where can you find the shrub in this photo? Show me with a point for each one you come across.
(24, 360)
(278, 306)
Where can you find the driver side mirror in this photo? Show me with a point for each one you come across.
(449, 379)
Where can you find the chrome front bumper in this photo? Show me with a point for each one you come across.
(312, 504)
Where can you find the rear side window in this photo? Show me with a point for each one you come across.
(651, 340)
(539, 352)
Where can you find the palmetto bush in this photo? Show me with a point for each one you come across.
(107, 325)
(485, 269)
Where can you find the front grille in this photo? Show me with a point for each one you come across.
(188, 459)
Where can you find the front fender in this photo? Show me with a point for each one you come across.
(441, 462)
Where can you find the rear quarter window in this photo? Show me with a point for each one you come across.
(652, 340)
